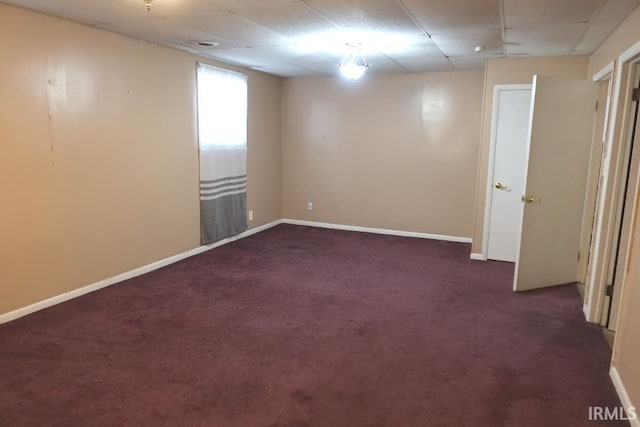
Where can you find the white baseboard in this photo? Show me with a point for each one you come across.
(478, 257)
(24, 311)
(15, 314)
(624, 397)
(378, 231)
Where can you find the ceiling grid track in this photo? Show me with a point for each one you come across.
(503, 28)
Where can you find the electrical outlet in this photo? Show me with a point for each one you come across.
(250, 215)
(309, 206)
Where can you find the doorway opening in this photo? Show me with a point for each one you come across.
(616, 198)
(625, 204)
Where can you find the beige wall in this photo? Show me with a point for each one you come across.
(626, 352)
(98, 155)
(264, 156)
(392, 151)
(512, 71)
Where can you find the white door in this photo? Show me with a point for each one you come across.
(512, 106)
(560, 137)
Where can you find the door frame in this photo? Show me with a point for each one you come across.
(626, 201)
(617, 138)
(492, 154)
(594, 181)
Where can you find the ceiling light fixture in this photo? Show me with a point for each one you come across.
(148, 4)
(353, 65)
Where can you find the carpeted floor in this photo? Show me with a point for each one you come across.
(303, 327)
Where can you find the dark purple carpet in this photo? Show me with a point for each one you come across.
(303, 327)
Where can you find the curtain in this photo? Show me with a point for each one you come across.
(222, 136)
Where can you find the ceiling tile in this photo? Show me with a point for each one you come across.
(425, 48)
(379, 15)
(291, 19)
(234, 28)
(287, 70)
(527, 13)
(595, 35)
(381, 65)
(97, 12)
(319, 63)
(427, 65)
(551, 39)
(463, 43)
(160, 30)
(617, 10)
(469, 62)
(261, 54)
(179, 9)
(438, 16)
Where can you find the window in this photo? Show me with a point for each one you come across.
(222, 107)
(222, 136)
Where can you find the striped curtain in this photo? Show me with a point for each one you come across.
(222, 130)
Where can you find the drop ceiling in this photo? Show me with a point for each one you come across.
(308, 37)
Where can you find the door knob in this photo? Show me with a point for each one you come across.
(501, 186)
(530, 199)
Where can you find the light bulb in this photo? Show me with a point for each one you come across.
(353, 65)
(148, 4)
(352, 71)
